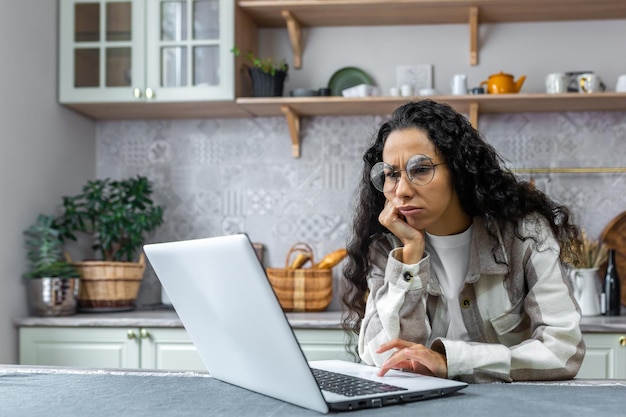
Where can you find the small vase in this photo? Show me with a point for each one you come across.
(587, 290)
(53, 296)
(265, 84)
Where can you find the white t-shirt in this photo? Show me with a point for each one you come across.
(449, 259)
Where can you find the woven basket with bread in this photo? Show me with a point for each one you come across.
(299, 288)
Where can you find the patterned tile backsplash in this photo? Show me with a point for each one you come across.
(223, 176)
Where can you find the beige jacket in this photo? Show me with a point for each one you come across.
(519, 310)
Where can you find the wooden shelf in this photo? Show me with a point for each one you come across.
(488, 103)
(146, 110)
(294, 108)
(313, 13)
(324, 13)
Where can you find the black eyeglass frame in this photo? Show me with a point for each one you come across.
(378, 170)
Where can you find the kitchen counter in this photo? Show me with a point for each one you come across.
(166, 318)
(40, 391)
(321, 320)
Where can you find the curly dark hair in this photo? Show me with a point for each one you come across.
(484, 188)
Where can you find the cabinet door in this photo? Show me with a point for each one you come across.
(322, 344)
(101, 55)
(605, 357)
(169, 349)
(78, 347)
(188, 45)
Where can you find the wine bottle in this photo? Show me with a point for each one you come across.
(611, 290)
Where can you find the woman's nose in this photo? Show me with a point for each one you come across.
(404, 186)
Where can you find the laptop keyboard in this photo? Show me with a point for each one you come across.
(351, 386)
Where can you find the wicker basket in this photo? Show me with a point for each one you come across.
(109, 286)
(302, 289)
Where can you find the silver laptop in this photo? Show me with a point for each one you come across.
(220, 291)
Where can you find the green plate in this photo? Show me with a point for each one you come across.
(347, 77)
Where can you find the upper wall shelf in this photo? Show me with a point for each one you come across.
(312, 13)
(294, 108)
(319, 13)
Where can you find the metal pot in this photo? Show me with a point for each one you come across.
(53, 296)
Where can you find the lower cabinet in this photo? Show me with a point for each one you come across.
(171, 349)
(606, 356)
(144, 348)
(108, 347)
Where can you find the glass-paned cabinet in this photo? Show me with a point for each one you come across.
(146, 50)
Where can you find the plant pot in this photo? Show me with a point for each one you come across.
(265, 84)
(53, 296)
(109, 286)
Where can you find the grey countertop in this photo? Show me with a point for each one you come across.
(42, 391)
(165, 317)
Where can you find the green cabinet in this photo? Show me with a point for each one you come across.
(109, 347)
(143, 347)
(115, 51)
(605, 357)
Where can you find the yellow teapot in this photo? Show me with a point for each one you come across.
(502, 83)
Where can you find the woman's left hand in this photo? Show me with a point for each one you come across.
(413, 357)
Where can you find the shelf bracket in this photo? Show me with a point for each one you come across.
(473, 24)
(473, 115)
(295, 36)
(293, 121)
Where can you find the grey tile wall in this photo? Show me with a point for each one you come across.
(223, 176)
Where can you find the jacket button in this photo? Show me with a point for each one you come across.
(407, 276)
(466, 303)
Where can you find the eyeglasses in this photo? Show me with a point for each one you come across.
(420, 170)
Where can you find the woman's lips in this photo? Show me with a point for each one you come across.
(409, 210)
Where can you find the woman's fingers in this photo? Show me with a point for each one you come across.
(415, 358)
(394, 344)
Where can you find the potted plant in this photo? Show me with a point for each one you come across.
(117, 216)
(52, 281)
(268, 77)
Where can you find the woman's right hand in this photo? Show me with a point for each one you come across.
(411, 238)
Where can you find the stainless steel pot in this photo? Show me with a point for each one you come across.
(53, 296)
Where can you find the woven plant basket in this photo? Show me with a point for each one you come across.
(109, 286)
(302, 289)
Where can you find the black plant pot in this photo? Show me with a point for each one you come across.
(265, 84)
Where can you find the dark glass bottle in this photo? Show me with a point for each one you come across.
(611, 289)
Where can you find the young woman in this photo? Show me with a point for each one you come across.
(455, 268)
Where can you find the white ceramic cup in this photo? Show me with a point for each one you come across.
(589, 83)
(458, 85)
(406, 90)
(621, 84)
(556, 83)
(394, 92)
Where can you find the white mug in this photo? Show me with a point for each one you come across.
(556, 83)
(406, 90)
(621, 84)
(458, 84)
(589, 83)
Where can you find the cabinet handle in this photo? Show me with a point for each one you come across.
(131, 335)
(149, 93)
(136, 92)
(622, 341)
(144, 334)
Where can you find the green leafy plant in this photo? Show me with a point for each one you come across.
(45, 250)
(117, 214)
(266, 65)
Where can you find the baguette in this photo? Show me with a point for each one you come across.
(331, 259)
